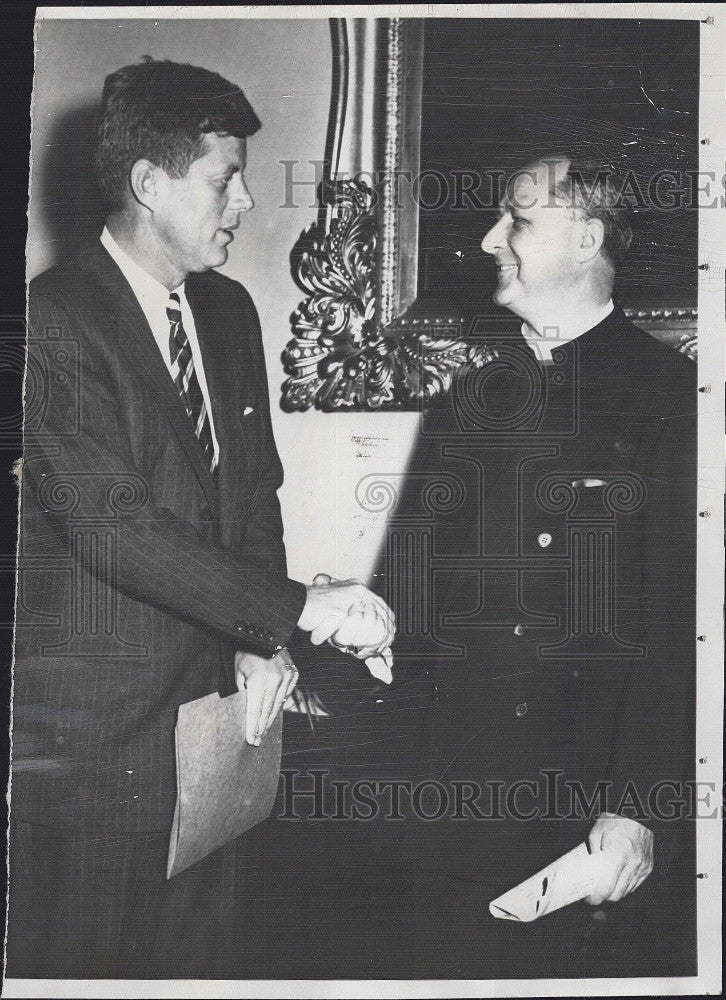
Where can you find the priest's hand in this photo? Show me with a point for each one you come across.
(364, 632)
(633, 843)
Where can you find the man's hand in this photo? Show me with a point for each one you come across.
(268, 683)
(362, 620)
(348, 614)
(633, 843)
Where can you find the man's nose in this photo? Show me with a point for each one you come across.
(496, 237)
(241, 199)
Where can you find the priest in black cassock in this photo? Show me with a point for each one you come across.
(569, 585)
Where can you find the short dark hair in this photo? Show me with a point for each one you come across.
(161, 110)
(595, 188)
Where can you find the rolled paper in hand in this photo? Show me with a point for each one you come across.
(572, 877)
(380, 666)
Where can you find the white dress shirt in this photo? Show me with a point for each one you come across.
(558, 334)
(153, 298)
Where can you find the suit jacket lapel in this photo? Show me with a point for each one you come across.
(227, 365)
(142, 353)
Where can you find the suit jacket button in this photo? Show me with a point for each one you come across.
(519, 630)
(521, 709)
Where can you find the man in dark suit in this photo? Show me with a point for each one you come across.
(152, 567)
(566, 597)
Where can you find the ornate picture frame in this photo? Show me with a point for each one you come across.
(358, 262)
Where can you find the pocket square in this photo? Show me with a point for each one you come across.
(247, 411)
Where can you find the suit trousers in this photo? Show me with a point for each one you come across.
(98, 905)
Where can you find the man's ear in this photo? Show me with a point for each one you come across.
(144, 180)
(592, 237)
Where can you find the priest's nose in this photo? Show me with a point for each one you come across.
(496, 238)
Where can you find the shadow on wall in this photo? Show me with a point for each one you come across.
(70, 203)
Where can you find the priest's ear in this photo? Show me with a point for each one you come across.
(146, 180)
(591, 238)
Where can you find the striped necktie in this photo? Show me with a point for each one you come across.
(186, 381)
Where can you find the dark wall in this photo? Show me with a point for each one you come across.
(498, 93)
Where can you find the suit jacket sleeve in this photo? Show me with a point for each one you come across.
(161, 559)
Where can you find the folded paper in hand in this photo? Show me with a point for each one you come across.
(224, 785)
(571, 878)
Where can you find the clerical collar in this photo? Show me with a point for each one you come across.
(554, 336)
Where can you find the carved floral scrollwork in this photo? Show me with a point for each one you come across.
(335, 358)
(339, 358)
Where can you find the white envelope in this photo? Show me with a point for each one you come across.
(571, 878)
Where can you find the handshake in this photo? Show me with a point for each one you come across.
(343, 612)
(349, 616)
